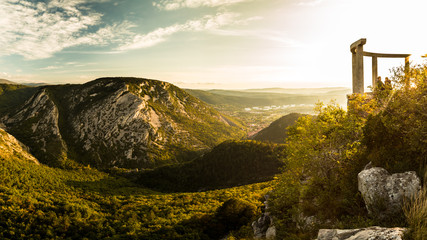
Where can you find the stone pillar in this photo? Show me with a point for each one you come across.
(357, 60)
(360, 83)
(407, 80)
(374, 72)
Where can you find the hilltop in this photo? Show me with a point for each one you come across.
(277, 131)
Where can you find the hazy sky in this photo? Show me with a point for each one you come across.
(204, 43)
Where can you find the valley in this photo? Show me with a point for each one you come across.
(259, 107)
(132, 158)
(83, 182)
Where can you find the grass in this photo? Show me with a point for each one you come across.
(416, 215)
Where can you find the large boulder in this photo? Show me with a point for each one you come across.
(384, 193)
(377, 233)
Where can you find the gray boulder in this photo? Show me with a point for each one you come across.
(384, 193)
(263, 227)
(371, 233)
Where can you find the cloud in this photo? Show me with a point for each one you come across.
(309, 3)
(39, 30)
(269, 35)
(50, 68)
(170, 5)
(208, 22)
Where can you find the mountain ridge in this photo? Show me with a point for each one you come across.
(123, 122)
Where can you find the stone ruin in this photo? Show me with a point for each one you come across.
(357, 53)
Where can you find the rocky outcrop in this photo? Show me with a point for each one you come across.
(377, 233)
(264, 227)
(36, 124)
(384, 193)
(12, 148)
(117, 122)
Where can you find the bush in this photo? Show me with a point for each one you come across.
(323, 160)
(396, 137)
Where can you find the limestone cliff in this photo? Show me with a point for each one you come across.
(123, 122)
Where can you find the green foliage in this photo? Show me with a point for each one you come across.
(229, 164)
(396, 137)
(40, 202)
(322, 165)
(235, 213)
(325, 153)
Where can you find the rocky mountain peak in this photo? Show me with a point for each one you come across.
(123, 122)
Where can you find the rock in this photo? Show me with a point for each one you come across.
(271, 233)
(371, 233)
(263, 227)
(384, 193)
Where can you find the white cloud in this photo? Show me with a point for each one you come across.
(38, 30)
(208, 22)
(50, 68)
(170, 5)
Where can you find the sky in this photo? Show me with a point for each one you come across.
(205, 44)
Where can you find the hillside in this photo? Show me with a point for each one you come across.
(229, 164)
(4, 81)
(122, 122)
(277, 131)
(40, 202)
(12, 148)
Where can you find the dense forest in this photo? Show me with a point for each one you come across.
(231, 163)
(40, 202)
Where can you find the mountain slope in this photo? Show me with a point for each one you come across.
(12, 148)
(231, 163)
(4, 81)
(123, 122)
(277, 132)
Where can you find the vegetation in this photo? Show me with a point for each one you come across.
(229, 164)
(40, 202)
(416, 215)
(325, 153)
